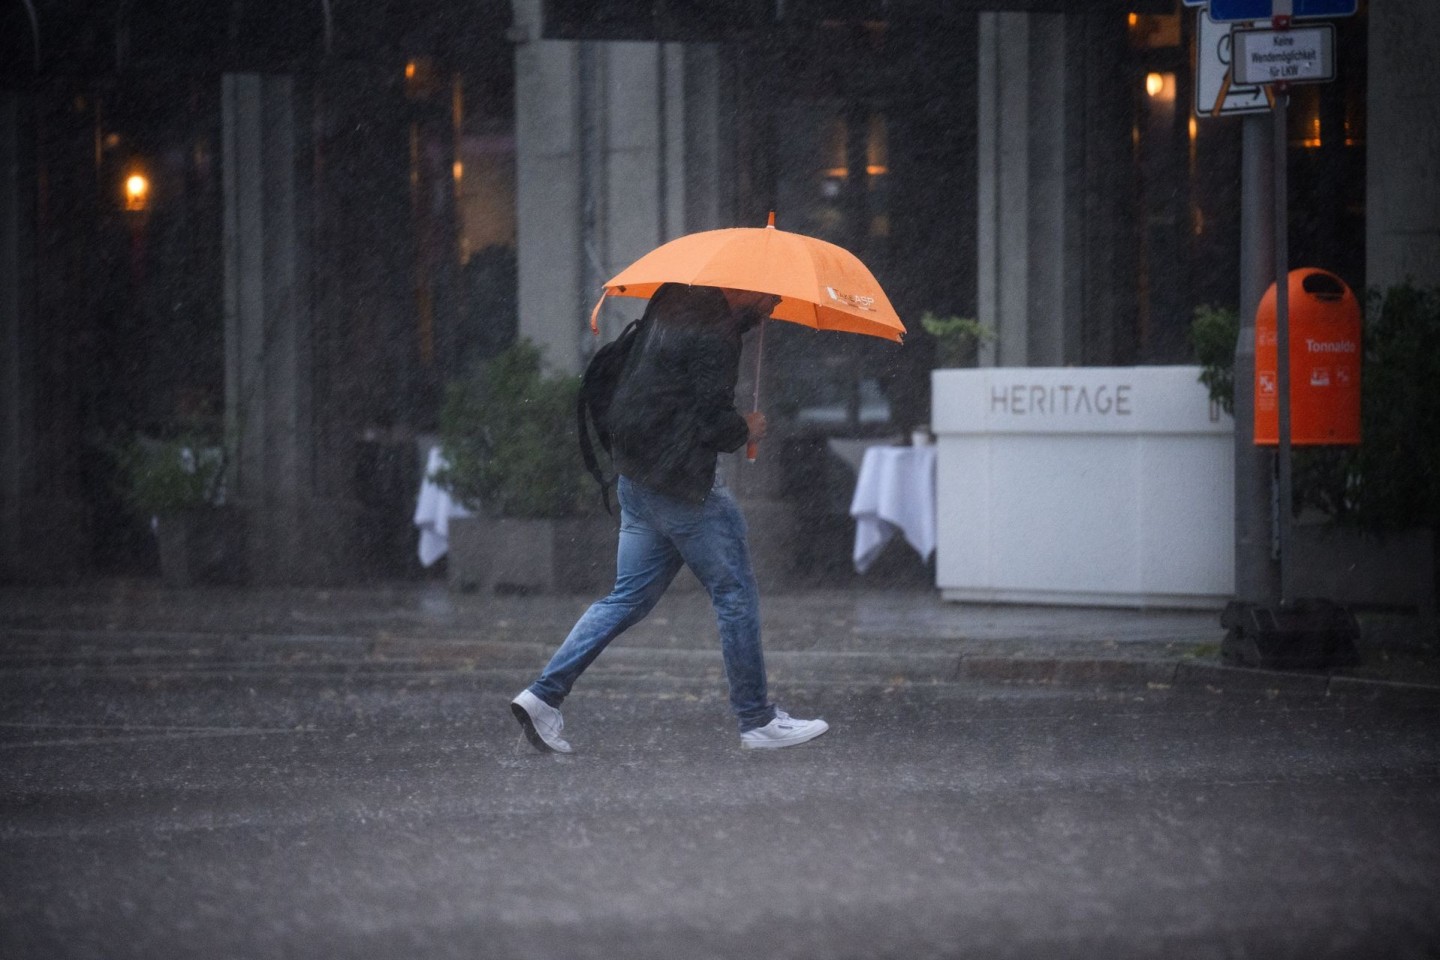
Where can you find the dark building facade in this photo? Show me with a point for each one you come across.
(343, 207)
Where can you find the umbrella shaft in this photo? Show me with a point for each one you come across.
(753, 448)
(759, 353)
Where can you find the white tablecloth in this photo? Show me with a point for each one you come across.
(895, 492)
(433, 510)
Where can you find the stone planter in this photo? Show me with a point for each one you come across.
(506, 555)
(204, 545)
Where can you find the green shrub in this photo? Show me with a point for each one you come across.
(508, 436)
(164, 476)
(1212, 335)
(1397, 466)
(956, 338)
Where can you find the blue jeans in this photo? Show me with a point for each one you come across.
(657, 535)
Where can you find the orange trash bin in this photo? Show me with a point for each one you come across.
(1325, 354)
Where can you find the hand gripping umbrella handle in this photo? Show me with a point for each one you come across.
(753, 447)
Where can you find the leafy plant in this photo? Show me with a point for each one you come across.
(1212, 334)
(1320, 476)
(163, 476)
(956, 338)
(1397, 467)
(507, 436)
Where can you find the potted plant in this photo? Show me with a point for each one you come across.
(507, 433)
(957, 339)
(176, 482)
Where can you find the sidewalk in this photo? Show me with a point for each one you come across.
(876, 636)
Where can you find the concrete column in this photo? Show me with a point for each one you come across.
(638, 115)
(620, 146)
(294, 535)
(17, 286)
(998, 150)
(550, 255)
(1402, 176)
(43, 521)
(1029, 191)
(706, 169)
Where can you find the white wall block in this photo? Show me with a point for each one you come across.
(1111, 486)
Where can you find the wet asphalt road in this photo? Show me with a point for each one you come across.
(214, 807)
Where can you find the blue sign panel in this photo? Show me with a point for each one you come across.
(1226, 11)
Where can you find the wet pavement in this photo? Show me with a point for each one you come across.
(907, 632)
(335, 774)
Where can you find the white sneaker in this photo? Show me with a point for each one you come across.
(783, 731)
(542, 723)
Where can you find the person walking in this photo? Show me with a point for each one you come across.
(672, 415)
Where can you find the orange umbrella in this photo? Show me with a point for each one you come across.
(819, 284)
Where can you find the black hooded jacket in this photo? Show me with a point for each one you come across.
(674, 409)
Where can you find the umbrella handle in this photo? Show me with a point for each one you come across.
(753, 447)
(595, 314)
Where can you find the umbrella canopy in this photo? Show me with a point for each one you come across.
(819, 284)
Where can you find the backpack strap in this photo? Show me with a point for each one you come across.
(587, 451)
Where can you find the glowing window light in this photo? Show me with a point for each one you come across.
(1160, 86)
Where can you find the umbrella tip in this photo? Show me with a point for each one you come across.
(771, 221)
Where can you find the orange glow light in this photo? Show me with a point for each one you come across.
(1160, 86)
(137, 192)
(840, 173)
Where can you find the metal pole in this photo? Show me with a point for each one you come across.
(1282, 336)
(1256, 573)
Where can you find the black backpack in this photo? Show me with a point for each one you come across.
(597, 389)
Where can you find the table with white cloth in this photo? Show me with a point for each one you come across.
(434, 509)
(894, 493)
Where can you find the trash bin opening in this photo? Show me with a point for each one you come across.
(1323, 286)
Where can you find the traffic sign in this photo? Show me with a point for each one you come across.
(1297, 55)
(1216, 92)
(1230, 11)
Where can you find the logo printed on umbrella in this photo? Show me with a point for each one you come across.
(850, 299)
